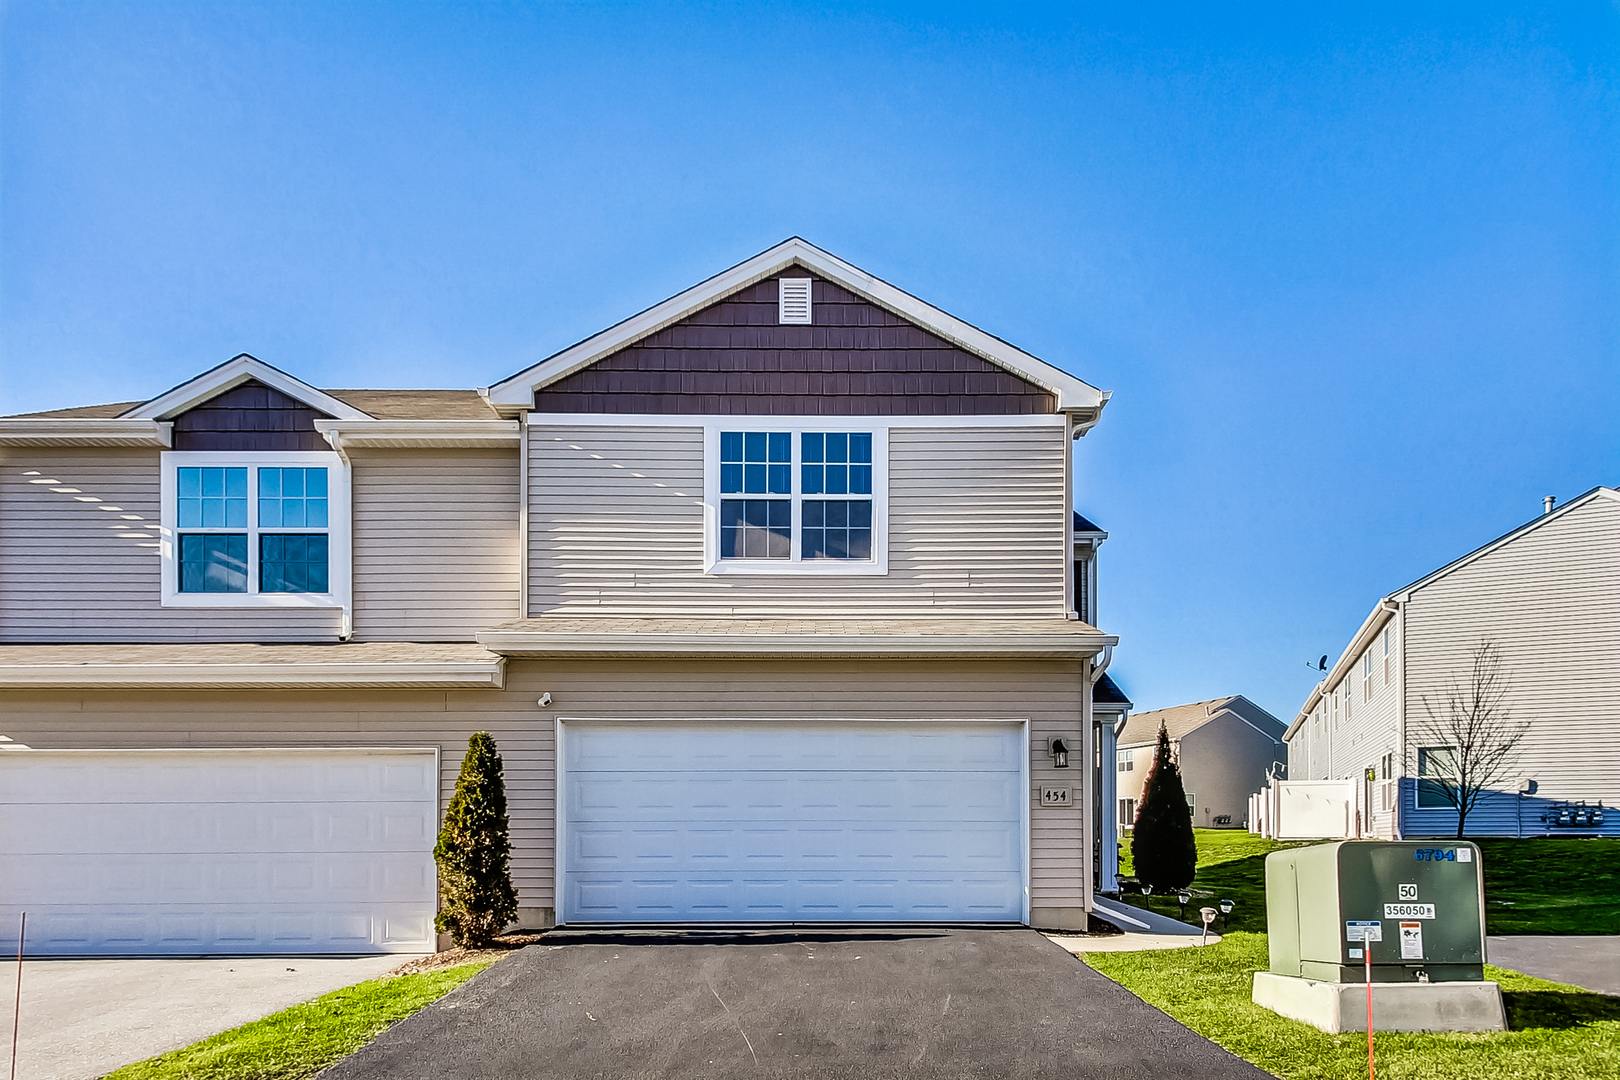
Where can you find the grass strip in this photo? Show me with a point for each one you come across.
(299, 1042)
(1558, 1032)
(1538, 885)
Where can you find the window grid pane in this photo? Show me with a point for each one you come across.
(292, 499)
(837, 529)
(756, 462)
(213, 562)
(210, 498)
(836, 463)
(293, 563)
(756, 528)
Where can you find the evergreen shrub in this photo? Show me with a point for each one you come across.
(474, 852)
(1162, 845)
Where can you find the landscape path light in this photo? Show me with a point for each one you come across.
(1208, 915)
(1147, 894)
(1226, 909)
(1182, 896)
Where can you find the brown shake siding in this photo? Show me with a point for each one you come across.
(251, 416)
(734, 359)
(1047, 693)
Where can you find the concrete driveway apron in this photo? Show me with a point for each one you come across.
(916, 1003)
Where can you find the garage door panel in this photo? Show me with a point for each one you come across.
(790, 822)
(629, 796)
(833, 897)
(178, 827)
(288, 858)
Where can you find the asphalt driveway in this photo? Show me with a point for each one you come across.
(1592, 962)
(912, 1003)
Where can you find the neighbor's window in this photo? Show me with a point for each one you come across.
(1127, 813)
(796, 497)
(1387, 635)
(1436, 770)
(1127, 761)
(249, 530)
(1366, 675)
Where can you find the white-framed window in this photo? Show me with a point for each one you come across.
(1388, 634)
(1126, 761)
(1127, 813)
(1437, 775)
(254, 529)
(783, 496)
(1366, 675)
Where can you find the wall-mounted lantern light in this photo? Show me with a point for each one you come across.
(1060, 754)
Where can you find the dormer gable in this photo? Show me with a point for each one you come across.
(237, 371)
(744, 341)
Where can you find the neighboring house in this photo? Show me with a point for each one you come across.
(1225, 747)
(1548, 595)
(770, 596)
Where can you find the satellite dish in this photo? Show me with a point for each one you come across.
(1321, 665)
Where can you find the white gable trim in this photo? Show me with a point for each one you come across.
(234, 372)
(517, 392)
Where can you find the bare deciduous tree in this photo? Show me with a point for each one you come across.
(1471, 722)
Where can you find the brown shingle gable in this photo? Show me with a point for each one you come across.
(734, 358)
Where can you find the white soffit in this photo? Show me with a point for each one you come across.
(1072, 394)
(382, 434)
(76, 431)
(268, 676)
(234, 372)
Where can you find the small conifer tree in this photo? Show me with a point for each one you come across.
(474, 851)
(1162, 845)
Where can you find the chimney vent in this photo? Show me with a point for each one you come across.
(1547, 504)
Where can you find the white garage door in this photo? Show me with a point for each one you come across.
(789, 822)
(219, 851)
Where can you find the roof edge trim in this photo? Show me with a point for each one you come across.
(80, 431)
(233, 372)
(470, 675)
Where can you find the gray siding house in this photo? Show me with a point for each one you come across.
(1547, 595)
(771, 595)
(1225, 747)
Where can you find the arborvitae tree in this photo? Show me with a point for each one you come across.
(474, 851)
(1162, 845)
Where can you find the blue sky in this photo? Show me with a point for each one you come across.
(1350, 270)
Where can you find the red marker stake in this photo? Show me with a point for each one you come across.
(1366, 951)
(16, 1012)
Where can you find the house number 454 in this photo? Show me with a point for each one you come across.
(1055, 796)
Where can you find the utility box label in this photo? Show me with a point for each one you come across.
(1408, 892)
(1056, 796)
(1356, 930)
(1408, 911)
(1411, 941)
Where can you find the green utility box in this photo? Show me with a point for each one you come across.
(1422, 902)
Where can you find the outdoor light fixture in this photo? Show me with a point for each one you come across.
(1226, 909)
(1182, 896)
(1208, 915)
(1060, 754)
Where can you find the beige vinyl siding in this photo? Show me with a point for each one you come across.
(1222, 763)
(72, 572)
(976, 528)
(1551, 601)
(435, 543)
(1047, 693)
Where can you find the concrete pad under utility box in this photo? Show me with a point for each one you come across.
(1340, 1007)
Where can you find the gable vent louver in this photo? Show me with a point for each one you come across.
(793, 300)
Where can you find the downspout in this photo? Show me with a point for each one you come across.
(346, 599)
(1071, 599)
(523, 515)
(1097, 669)
(1399, 609)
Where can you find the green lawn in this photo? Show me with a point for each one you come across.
(299, 1042)
(1532, 886)
(1558, 1032)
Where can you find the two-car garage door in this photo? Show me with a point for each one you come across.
(219, 851)
(724, 821)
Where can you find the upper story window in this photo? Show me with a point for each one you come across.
(254, 529)
(1366, 675)
(1127, 761)
(1388, 634)
(797, 501)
